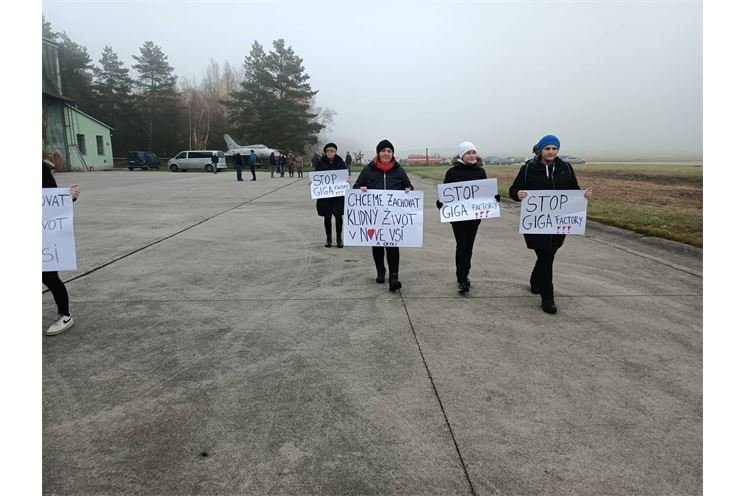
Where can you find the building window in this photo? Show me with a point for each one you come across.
(81, 144)
(99, 144)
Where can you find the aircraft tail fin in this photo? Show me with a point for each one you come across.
(229, 142)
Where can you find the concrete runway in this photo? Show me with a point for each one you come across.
(220, 348)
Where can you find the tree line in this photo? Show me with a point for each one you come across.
(270, 102)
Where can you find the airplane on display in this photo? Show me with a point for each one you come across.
(262, 151)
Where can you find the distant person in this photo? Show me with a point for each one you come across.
(51, 279)
(299, 165)
(348, 161)
(384, 172)
(467, 166)
(291, 164)
(282, 163)
(326, 207)
(214, 162)
(273, 163)
(238, 161)
(314, 160)
(545, 171)
(252, 165)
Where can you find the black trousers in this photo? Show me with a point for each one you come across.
(389, 252)
(339, 219)
(58, 290)
(543, 271)
(465, 235)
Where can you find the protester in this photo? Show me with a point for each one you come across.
(238, 166)
(252, 165)
(326, 207)
(545, 171)
(281, 163)
(466, 166)
(51, 279)
(384, 172)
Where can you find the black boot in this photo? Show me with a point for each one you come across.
(547, 300)
(534, 287)
(381, 275)
(328, 242)
(393, 282)
(339, 242)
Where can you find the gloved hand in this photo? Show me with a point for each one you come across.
(439, 204)
(498, 198)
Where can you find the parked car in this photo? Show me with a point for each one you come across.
(142, 160)
(197, 160)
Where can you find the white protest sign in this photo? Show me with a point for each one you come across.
(468, 200)
(57, 230)
(328, 184)
(383, 218)
(552, 211)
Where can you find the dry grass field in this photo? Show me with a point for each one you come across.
(663, 200)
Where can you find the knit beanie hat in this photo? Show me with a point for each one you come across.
(548, 140)
(384, 144)
(464, 147)
(330, 145)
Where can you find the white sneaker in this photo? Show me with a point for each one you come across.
(63, 323)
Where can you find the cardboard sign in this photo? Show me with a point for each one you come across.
(57, 230)
(383, 218)
(328, 184)
(552, 211)
(468, 200)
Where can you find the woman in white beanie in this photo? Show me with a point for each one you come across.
(467, 166)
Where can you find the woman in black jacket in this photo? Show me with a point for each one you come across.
(331, 206)
(467, 166)
(545, 171)
(51, 279)
(384, 172)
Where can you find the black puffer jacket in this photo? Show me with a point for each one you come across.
(464, 172)
(328, 206)
(374, 178)
(535, 175)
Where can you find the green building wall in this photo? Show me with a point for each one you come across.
(92, 134)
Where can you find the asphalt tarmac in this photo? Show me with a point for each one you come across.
(220, 348)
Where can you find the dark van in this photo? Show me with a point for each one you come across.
(142, 160)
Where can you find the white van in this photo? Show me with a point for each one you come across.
(197, 160)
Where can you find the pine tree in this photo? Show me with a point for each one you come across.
(75, 72)
(274, 104)
(157, 95)
(112, 91)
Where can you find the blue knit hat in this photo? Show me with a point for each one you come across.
(547, 140)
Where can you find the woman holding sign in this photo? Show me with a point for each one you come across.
(326, 207)
(545, 171)
(51, 279)
(384, 172)
(467, 166)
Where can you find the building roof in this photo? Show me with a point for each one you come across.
(88, 116)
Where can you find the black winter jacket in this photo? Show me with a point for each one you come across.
(328, 206)
(463, 172)
(374, 178)
(535, 175)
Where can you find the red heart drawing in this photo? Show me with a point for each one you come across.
(371, 233)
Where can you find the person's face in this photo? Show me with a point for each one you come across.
(385, 155)
(470, 157)
(330, 153)
(549, 153)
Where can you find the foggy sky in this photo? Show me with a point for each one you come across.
(613, 79)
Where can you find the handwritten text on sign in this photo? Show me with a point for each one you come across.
(468, 200)
(383, 218)
(328, 184)
(553, 212)
(57, 234)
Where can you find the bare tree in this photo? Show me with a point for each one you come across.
(359, 157)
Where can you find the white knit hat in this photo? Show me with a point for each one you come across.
(464, 147)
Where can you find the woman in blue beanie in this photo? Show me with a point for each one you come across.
(545, 171)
